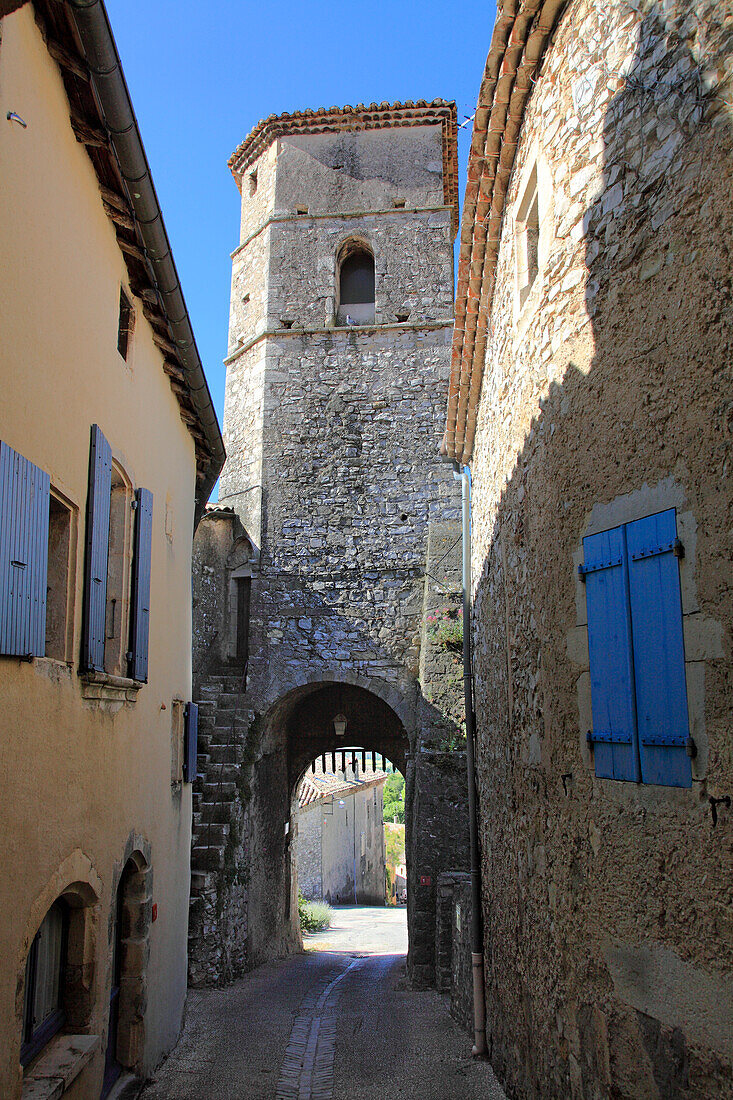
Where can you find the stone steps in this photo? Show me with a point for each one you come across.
(207, 858)
(210, 834)
(222, 731)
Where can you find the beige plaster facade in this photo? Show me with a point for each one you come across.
(591, 389)
(90, 764)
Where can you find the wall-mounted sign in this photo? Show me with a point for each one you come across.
(425, 880)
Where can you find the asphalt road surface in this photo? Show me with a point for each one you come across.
(335, 1023)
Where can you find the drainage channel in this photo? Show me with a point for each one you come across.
(307, 1068)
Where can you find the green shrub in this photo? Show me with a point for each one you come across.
(315, 916)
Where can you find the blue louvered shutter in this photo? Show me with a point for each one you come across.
(659, 655)
(190, 742)
(611, 662)
(96, 552)
(140, 598)
(25, 493)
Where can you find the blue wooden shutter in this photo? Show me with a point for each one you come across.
(611, 659)
(190, 742)
(25, 493)
(659, 655)
(140, 598)
(96, 551)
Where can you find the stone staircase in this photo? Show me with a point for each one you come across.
(222, 733)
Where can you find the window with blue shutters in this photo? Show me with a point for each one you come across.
(25, 493)
(96, 551)
(140, 599)
(637, 663)
(117, 578)
(190, 742)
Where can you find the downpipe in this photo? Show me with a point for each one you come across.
(477, 934)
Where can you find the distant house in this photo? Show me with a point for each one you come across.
(109, 447)
(339, 837)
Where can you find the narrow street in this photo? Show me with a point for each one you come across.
(334, 1022)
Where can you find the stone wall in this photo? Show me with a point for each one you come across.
(308, 850)
(606, 396)
(453, 963)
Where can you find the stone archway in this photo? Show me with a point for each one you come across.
(297, 729)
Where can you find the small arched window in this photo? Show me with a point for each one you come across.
(356, 285)
(43, 1001)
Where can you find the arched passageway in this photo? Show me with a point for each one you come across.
(313, 720)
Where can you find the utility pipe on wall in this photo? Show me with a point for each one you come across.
(477, 934)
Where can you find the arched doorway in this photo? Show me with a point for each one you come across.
(297, 730)
(129, 927)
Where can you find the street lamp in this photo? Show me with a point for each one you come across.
(339, 724)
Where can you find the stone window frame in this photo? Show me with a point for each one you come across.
(119, 572)
(535, 185)
(703, 636)
(78, 886)
(351, 243)
(136, 872)
(62, 568)
(239, 566)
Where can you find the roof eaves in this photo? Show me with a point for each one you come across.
(362, 117)
(521, 33)
(79, 38)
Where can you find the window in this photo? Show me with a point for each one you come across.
(253, 182)
(355, 285)
(35, 539)
(637, 662)
(43, 1013)
(118, 575)
(57, 580)
(527, 243)
(125, 325)
(115, 616)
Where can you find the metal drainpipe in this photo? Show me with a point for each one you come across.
(477, 934)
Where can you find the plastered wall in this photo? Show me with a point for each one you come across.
(86, 781)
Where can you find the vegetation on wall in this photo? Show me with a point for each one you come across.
(445, 628)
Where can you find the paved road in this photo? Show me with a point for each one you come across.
(334, 1023)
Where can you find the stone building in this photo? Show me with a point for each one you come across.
(591, 394)
(338, 835)
(311, 591)
(108, 446)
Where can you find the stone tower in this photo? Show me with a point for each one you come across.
(339, 357)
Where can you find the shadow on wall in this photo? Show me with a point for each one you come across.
(578, 872)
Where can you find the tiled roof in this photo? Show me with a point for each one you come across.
(326, 785)
(372, 116)
(521, 33)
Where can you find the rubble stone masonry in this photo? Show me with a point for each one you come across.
(606, 397)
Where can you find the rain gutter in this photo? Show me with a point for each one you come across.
(110, 86)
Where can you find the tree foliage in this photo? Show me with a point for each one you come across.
(394, 798)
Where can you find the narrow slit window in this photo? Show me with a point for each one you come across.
(252, 182)
(125, 325)
(527, 239)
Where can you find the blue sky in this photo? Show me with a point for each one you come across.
(199, 85)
